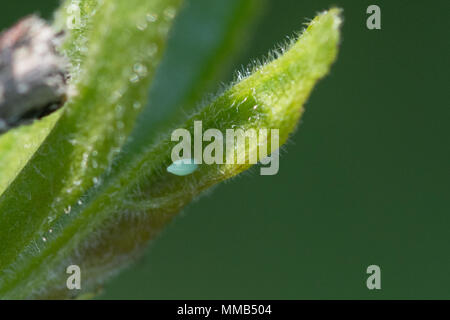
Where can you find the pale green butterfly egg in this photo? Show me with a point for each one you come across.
(182, 167)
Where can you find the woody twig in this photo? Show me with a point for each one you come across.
(32, 73)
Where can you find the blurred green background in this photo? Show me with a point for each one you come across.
(365, 179)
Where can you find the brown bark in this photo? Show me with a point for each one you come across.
(32, 73)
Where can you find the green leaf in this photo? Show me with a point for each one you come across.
(123, 52)
(97, 190)
(28, 138)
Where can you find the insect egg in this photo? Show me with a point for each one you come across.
(182, 167)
